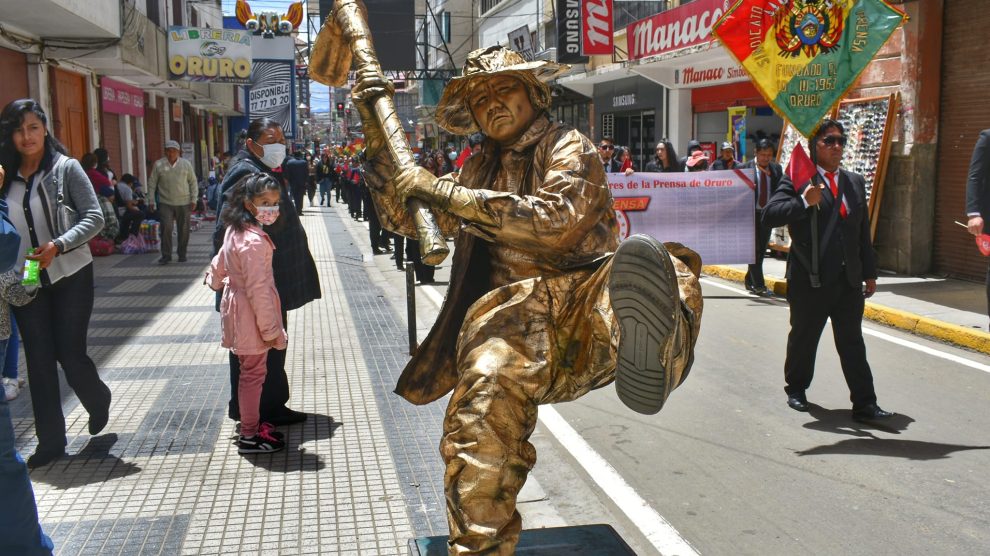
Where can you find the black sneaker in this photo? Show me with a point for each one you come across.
(646, 301)
(261, 443)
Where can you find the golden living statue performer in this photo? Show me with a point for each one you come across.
(544, 304)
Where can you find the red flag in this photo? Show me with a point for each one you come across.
(983, 243)
(800, 168)
(462, 158)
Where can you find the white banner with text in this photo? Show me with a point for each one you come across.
(712, 213)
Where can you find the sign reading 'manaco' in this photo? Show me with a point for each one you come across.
(680, 27)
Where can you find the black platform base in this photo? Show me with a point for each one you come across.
(578, 540)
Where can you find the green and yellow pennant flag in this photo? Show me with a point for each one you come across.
(803, 55)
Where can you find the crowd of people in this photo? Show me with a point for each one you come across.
(53, 206)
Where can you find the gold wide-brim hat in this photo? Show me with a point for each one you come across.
(453, 113)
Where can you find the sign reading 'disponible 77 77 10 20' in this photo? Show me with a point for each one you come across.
(204, 54)
(710, 212)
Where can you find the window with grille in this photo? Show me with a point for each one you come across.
(445, 26)
(488, 5)
(608, 125)
(629, 12)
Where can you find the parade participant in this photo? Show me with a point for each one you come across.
(766, 175)
(847, 272)
(665, 159)
(250, 311)
(536, 300)
(174, 180)
(296, 172)
(978, 193)
(697, 161)
(295, 270)
(606, 150)
(727, 159)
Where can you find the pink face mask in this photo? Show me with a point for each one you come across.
(266, 216)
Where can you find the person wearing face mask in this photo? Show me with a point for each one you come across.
(174, 179)
(296, 279)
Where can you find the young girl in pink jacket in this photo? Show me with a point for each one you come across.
(250, 310)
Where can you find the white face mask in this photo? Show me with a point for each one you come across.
(274, 155)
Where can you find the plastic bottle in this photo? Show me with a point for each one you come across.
(32, 271)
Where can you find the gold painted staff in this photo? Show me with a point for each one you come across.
(343, 37)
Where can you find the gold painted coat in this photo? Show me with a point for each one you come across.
(548, 197)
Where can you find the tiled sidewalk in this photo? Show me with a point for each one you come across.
(165, 477)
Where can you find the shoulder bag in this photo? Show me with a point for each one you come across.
(65, 216)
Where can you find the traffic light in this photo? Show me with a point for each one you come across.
(340, 109)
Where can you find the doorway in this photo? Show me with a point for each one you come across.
(637, 132)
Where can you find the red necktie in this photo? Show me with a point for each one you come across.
(762, 202)
(835, 192)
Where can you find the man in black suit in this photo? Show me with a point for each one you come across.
(845, 261)
(296, 171)
(766, 176)
(978, 192)
(606, 148)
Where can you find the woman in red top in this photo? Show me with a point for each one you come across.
(100, 181)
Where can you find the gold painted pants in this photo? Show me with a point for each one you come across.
(541, 340)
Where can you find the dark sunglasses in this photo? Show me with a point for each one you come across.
(833, 140)
(606, 147)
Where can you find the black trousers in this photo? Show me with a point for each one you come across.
(408, 249)
(53, 329)
(275, 389)
(130, 224)
(754, 273)
(298, 193)
(810, 308)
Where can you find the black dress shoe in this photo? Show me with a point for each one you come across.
(285, 417)
(797, 403)
(44, 455)
(377, 251)
(98, 420)
(869, 413)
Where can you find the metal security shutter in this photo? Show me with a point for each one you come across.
(154, 132)
(110, 140)
(963, 114)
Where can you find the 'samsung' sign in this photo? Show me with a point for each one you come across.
(687, 25)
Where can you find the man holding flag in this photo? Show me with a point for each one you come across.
(831, 267)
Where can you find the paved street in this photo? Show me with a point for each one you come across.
(728, 465)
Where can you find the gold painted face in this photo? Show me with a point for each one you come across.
(502, 108)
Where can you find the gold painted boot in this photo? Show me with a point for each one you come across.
(658, 328)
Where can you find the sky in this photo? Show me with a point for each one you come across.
(319, 94)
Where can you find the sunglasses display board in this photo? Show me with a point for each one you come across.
(868, 124)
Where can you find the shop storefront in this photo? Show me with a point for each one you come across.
(122, 111)
(963, 115)
(630, 111)
(707, 88)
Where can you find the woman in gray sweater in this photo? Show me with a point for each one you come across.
(54, 325)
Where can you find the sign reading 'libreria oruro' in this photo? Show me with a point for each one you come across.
(204, 54)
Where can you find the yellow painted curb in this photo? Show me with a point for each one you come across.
(916, 324)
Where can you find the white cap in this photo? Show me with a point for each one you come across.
(170, 144)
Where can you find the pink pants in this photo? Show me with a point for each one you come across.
(253, 370)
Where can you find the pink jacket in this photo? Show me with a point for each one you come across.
(250, 310)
